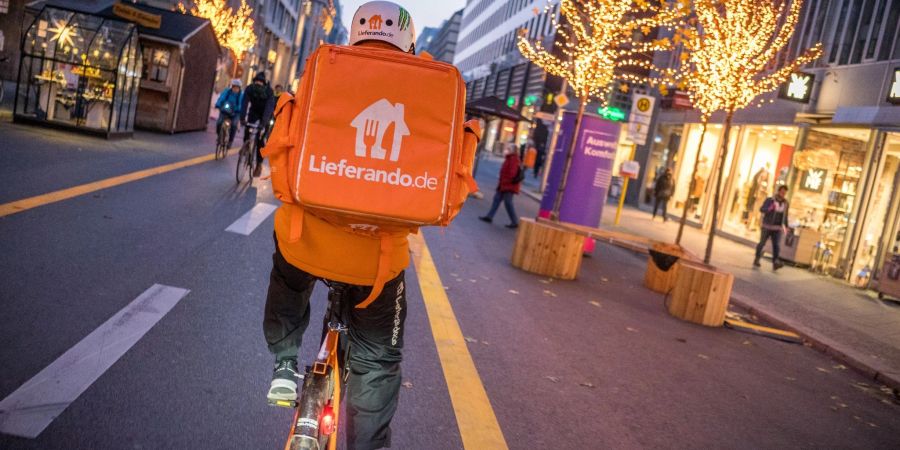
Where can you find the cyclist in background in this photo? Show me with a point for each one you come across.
(229, 105)
(326, 251)
(259, 103)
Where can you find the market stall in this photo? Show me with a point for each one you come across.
(79, 71)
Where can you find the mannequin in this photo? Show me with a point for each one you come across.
(759, 189)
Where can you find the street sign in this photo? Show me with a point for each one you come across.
(630, 169)
(797, 88)
(138, 16)
(639, 119)
(561, 100)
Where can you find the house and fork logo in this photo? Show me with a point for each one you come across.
(371, 125)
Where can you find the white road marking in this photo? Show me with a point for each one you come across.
(249, 221)
(31, 408)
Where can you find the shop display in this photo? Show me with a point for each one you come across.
(79, 70)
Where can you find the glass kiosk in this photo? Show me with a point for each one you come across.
(79, 71)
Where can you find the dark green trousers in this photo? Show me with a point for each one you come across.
(375, 339)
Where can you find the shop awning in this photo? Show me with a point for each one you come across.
(493, 106)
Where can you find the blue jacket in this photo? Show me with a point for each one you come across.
(235, 100)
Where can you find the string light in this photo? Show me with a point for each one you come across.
(728, 64)
(597, 45)
(233, 28)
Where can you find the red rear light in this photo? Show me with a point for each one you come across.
(326, 422)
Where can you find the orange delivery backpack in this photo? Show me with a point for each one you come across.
(374, 142)
(530, 158)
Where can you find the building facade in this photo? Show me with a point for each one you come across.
(486, 54)
(443, 44)
(831, 134)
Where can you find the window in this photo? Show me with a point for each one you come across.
(4, 6)
(156, 65)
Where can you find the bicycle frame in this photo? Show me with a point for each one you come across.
(327, 363)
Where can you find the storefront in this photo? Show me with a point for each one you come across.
(79, 71)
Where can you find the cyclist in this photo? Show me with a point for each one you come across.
(259, 102)
(229, 105)
(325, 251)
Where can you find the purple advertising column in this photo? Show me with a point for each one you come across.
(591, 171)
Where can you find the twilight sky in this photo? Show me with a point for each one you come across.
(425, 13)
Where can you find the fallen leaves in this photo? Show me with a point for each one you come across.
(682, 340)
(587, 384)
(552, 378)
(471, 339)
(702, 356)
(407, 384)
(633, 330)
(513, 292)
(549, 293)
(823, 370)
(595, 303)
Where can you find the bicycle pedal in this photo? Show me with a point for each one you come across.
(283, 403)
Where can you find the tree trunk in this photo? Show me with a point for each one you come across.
(684, 213)
(557, 202)
(720, 173)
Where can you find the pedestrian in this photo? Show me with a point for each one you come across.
(662, 192)
(774, 225)
(539, 135)
(511, 174)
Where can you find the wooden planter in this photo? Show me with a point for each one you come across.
(700, 294)
(547, 249)
(655, 278)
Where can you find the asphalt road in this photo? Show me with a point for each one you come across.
(595, 363)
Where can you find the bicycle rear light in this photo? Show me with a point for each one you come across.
(326, 422)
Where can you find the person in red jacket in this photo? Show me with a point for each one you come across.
(507, 187)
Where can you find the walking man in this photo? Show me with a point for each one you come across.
(662, 192)
(511, 175)
(774, 225)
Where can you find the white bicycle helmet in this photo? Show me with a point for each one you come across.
(383, 21)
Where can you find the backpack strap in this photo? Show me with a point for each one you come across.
(295, 229)
(384, 270)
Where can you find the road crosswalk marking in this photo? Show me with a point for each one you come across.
(478, 426)
(251, 219)
(33, 406)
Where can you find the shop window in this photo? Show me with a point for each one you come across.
(156, 65)
(762, 163)
(825, 190)
(695, 194)
(880, 235)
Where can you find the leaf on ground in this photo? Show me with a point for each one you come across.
(747, 342)
(790, 378)
(633, 330)
(587, 384)
(842, 405)
(820, 369)
(873, 425)
(701, 355)
(459, 280)
(485, 278)
(839, 367)
(835, 397)
(604, 279)
(472, 280)
(456, 255)
(485, 342)
(454, 275)
(682, 340)
(549, 292)
(407, 384)
(595, 303)
(513, 291)
(471, 339)
(552, 378)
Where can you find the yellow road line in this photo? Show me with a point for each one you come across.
(64, 194)
(475, 417)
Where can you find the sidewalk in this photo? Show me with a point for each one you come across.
(848, 323)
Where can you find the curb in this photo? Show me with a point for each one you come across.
(822, 344)
(818, 342)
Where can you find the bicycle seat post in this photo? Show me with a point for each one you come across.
(335, 298)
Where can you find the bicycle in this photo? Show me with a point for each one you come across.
(222, 140)
(316, 412)
(247, 156)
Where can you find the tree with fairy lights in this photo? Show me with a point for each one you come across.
(734, 56)
(233, 28)
(596, 47)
